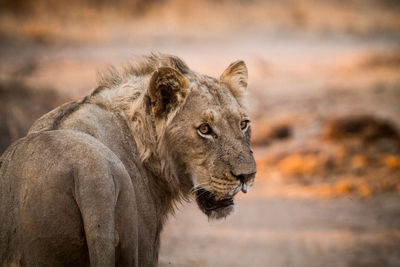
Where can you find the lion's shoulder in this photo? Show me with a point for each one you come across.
(81, 116)
(107, 127)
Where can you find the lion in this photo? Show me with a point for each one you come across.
(94, 180)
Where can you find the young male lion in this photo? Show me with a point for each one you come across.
(94, 180)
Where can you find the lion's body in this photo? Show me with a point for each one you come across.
(78, 174)
(93, 181)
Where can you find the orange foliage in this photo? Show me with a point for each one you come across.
(297, 164)
(391, 161)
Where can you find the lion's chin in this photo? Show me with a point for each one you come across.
(214, 209)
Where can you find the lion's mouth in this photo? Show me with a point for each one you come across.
(208, 202)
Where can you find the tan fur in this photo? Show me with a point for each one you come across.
(95, 179)
(236, 76)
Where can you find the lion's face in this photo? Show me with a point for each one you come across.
(210, 142)
(206, 133)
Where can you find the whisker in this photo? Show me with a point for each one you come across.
(198, 187)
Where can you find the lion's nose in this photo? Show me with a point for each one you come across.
(244, 178)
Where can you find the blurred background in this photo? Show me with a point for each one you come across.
(324, 97)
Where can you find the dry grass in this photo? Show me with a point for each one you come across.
(52, 21)
(265, 134)
(354, 156)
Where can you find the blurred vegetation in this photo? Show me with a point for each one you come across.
(353, 155)
(51, 20)
(32, 6)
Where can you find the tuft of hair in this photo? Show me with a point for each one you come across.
(139, 66)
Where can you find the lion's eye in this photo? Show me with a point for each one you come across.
(244, 124)
(205, 129)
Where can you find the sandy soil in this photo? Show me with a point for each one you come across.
(286, 231)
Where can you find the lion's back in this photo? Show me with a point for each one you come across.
(37, 190)
(47, 121)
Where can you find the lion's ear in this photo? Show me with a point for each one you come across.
(236, 77)
(168, 89)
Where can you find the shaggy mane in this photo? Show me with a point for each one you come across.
(140, 66)
(124, 91)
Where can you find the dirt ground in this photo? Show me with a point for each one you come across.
(284, 231)
(325, 111)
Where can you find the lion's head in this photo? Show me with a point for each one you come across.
(206, 130)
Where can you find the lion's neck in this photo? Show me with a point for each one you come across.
(130, 101)
(151, 144)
